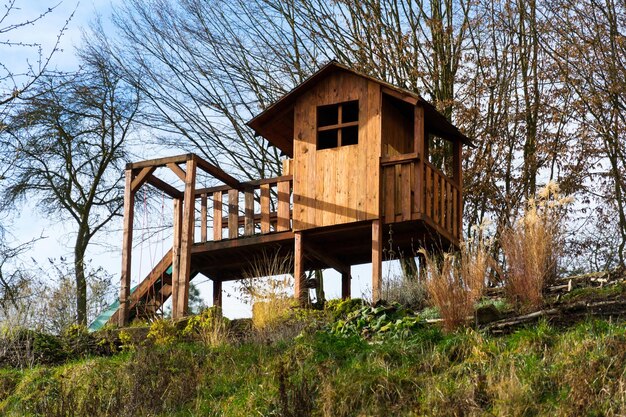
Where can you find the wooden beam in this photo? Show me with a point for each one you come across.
(270, 238)
(217, 173)
(217, 293)
(203, 217)
(186, 239)
(345, 285)
(217, 216)
(327, 258)
(249, 212)
(395, 159)
(418, 140)
(284, 195)
(127, 247)
(244, 185)
(180, 173)
(377, 261)
(160, 162)
(265, 208)
(178, 220)
(141, 177)
(233, 214)
(457, 173)
(406, 97)
(165, 187)
(300, 290)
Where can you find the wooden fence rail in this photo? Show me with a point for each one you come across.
(262, 207)
(407, 195)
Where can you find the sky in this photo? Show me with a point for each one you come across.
(106, 250)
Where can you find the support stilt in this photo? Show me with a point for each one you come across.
(217, 293)
(377, 260)
(345, 285)
(127, 247)
(300, 290)
(178, 222)
(186, 240)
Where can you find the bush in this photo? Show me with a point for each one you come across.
(209, 326)
(162, 332)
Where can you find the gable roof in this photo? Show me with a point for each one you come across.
(276, 122)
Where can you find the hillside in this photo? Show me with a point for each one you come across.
(347, 360)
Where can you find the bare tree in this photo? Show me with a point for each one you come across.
(15, 82)
(504, 72)
(67, 142)
(589, 45)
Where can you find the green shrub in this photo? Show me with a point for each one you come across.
(162, 332)
(209, 326)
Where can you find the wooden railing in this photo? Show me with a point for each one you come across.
(442, 201)
(264, 206)
(407, 195)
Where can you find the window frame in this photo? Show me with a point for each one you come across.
(339, 126)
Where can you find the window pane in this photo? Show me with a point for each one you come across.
(327, 139)
(349, 135)
(327, 115)
(350, 112)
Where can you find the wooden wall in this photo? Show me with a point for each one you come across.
(397, 127)
(338, 185)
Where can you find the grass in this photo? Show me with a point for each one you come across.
(539, 370)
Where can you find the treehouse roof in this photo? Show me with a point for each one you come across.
(276, 123)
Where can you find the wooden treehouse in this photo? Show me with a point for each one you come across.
(370, 166)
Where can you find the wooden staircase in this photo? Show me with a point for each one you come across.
(153, 291)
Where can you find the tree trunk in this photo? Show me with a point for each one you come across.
(81, 281)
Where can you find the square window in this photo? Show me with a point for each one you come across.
(338, 125)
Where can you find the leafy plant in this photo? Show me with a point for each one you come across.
(209, 326)
(162, 332)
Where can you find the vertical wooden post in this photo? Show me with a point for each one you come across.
(265, 208)
(457, 173)
(127, 247)
(345, 285)
(233, 214)
(418, 142)
(186, 240)
(203, 217)
(248, 228)
(217, 215)
(178, 222)
(284, 194)
(217, 293)
(300, 290)
(377, 260)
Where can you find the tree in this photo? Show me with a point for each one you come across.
(589, 44)
(507, 73)
(15, 82)
(68, 144)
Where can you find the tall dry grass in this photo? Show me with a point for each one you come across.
(268, 286)
(532, 246)
(455, 282)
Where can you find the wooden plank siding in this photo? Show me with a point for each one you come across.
(337, 185)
